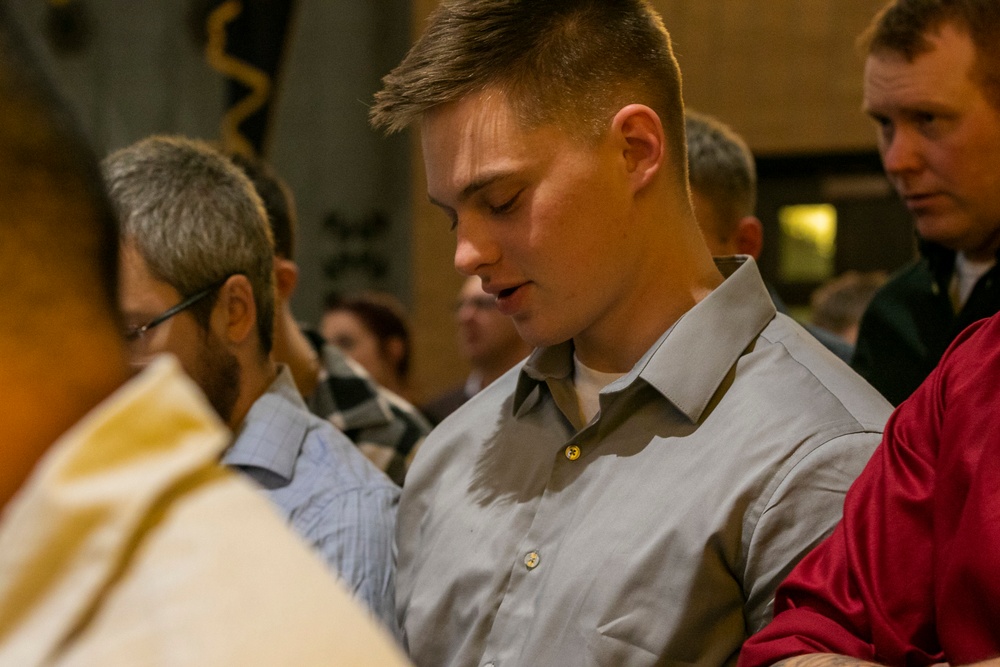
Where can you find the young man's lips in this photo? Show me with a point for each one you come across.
(922, 199)
(509, 299)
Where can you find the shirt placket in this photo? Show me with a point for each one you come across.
(517, 623)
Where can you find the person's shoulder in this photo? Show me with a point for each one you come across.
(223, 573)
(974, 352)
(808, 369)
(338, 461)
(908, 281)
(404, 411)
(460, 433)
(350, 386)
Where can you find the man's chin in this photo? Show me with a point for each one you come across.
(540, 338)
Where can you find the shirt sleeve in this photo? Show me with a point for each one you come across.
(870, 584)
(354, 534)
(802, 510)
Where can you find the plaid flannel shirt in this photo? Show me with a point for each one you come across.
(382, 424)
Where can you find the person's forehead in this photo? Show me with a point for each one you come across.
(933, 76)
(469, 135)
(137, 280)
(345, 322)
(459, 132)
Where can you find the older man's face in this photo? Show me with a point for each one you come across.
(940, 141)
(202, 354)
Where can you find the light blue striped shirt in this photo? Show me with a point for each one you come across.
(330, 494)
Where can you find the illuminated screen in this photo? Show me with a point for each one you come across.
(808, 242)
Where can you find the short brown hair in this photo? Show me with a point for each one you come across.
(839, 304)
(569, 62)
(902, 27)
(721, 168)
(279, 204)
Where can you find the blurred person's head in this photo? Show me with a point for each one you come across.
(279, 205)
(291, 346)
(553, 139)
(932, 85)
(60, 334)
(838, 304)
(723, 187)
(371, 328)
(196, 260)
(487, 339)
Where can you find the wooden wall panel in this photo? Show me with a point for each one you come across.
(436, 362)
(784, 73)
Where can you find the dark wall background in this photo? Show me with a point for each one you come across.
(139, 71)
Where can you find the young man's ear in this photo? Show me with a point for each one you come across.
(286, 277)
(643, 142)
(235, 314)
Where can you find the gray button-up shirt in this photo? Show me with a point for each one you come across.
(657, 533)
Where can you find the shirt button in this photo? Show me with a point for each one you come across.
(531, 560)
(572, 452)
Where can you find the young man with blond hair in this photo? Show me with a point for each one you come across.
(634, 491)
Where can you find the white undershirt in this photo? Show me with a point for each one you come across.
(588, 384)
(967, 274)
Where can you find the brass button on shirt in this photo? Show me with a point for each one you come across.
(713, 466)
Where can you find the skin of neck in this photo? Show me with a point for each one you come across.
(292, 348)
(674, 272)
(257, 372)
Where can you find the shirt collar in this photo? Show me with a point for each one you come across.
(691, 359)
(274, 429)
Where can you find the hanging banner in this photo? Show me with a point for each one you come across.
(245, 41)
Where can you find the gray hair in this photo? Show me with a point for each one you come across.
(721, 168)
(195, 219)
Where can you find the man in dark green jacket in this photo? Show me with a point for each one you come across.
(929, 87)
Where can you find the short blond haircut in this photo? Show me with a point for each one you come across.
(572, 63)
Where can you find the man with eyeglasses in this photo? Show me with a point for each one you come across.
(198, 282)
(487, 340)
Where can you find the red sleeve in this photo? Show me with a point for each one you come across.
(871, 583)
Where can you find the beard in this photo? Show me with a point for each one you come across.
(218, 375)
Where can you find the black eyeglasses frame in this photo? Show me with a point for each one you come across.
(133, 334)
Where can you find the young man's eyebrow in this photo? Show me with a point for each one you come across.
(482, 181)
